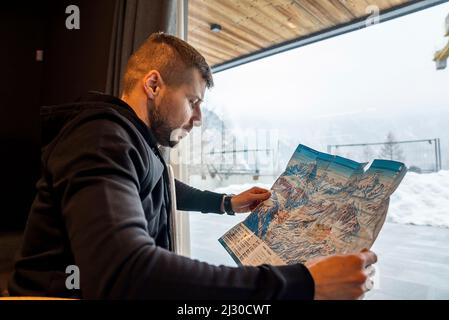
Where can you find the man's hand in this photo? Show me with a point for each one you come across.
(249, 199)
(340, 277)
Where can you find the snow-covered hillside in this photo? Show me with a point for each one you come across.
(422, 199)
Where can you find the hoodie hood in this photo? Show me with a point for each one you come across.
(54, 118)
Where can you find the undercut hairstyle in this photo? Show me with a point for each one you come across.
(172, 57)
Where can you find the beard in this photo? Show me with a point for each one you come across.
(167, 135)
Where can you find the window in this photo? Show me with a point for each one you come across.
(366, 94)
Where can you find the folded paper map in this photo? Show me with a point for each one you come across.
(321, 205)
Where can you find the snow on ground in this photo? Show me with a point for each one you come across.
(421, 199)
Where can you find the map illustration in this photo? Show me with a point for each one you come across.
(321, 205)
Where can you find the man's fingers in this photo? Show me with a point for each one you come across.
(370, 271)
(258, 190)
(368, 257)
(368, 285)
(260, 196)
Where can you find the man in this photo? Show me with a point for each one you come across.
(103, 201)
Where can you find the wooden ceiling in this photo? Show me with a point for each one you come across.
(249, 26)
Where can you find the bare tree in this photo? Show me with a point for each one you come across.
(391, 149)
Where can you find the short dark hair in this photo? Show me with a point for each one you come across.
(169, 55)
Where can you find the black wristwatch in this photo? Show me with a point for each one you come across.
(227, 205)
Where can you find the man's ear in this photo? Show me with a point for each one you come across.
(152, 83)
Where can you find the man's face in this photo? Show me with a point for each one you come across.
(176, 109)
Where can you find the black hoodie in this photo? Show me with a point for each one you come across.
(103, 205)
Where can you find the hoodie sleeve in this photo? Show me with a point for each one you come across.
(192, 199)
(95, 170)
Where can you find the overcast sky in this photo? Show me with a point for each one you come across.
(384, 68)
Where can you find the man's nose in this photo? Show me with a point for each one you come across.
(197, 116)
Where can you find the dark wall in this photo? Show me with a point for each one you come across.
(75, 61)
(22, 32)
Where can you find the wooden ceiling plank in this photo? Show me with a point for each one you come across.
(341, 10)
(270, 18)
(384, 4)
(220, 9)
(357, 7)
(205, 31)
(200, 22)
(245, 20)
(233, 33)
(333, 14)
(313, 13)
(220, 44)
(217, 14)
(299, 18)
(290, 19)
(246, 42)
